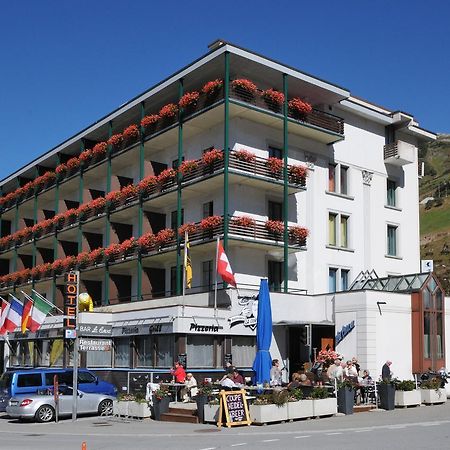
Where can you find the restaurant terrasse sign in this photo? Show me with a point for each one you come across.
(99, 345)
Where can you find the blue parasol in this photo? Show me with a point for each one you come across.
(263, 361)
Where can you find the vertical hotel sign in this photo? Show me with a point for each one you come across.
(71, 304)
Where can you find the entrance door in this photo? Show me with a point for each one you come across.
(298, 350)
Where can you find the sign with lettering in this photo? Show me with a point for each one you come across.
(95, 345)
(345, 330)
(131, 330)
(71, 300)
(201, 328)
(233, 405)
(90, 329)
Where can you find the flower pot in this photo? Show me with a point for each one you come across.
(324, 406)
(433, 396)
(300, 410)
(408, 398)
(160, 407)
(202, 401)
(243, 94)
(268, 413)
(345, 400)
(211, 413)
(386, 392)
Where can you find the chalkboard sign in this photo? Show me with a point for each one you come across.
(233, 405)
(182, 359)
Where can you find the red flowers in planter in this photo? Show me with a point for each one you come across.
(245, 155)
(112, 251)
(211, 156)
(164, 236)
(147, 242)
(190, 228)
(271, 95)
(113, 196)
(299, 107)
(243, 221)
(129, 191)
(188, 166)
(149, 120)
(97, 204)
(167, 175)
(146, 184)
(275, 165)
(131, 132)
(244, 85)
(212, 87)
(99, 149)
(298, 173)
(210, 222)
(85, 156)
(274, 226)
(97, 255)
(44, 179)
(128, 245)
(115, 140)
(168, 111)
(84, 259)
(299, 233)
(188, 99)
(73, 163)
(61, 169)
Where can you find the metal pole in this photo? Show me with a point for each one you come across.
(285, 186)
(226, 87)
(184, 272)
(179, 193)
(215, 284)
(76, 345)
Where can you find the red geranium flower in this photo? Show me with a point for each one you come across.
(298, 106)
(149, 120)
(190, 228)
(164, 236)
(274, 226)
(168, 111)
(167, 175)
(211, 87)
(273, 96)
(245, 155)
(147, 183)
(298, 173)
(131, 131)
(188, 166)
(190, 98)
(210, 222)
(99, 149)
(244, 221)
(275, 165)
(211, 156)
(147, 242)
(245, 85)
(115, 140)
(86, 155)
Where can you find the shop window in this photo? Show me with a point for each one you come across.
(98, 359)
(122, 352)
(164, 350)
(200, 351)
(392, 240)
(144, 351)
(275, 275)
(243, 351)
(338, 179)
(391, 193)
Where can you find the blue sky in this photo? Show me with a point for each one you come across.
(65, 64)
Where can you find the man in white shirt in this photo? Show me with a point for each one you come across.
(350, 371)
(190, 390)
(228, 382)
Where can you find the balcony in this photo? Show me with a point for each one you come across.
(399, 153)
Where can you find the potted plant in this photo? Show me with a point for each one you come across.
(274, 99)
(274, 227)
(245, 156)
(187, 167)
(189, 228)
(161, 402)
(189, 101)
(270, 407)
(99, 151)
(323, 405)
(406, 393)
(299, 109)
(148, 123)
(386, 393)
(346, 397)
(212, 88)
(146, 242)
(212, 156)
(299, 407)
(131, 405)
(168, 112)
(432, 393)
(148, 185)
(115, 141)
(164, 237)
(243, 221)
(166, 176)
(298, 174)
(210, 411)
(204, 392)
(131, 133)
(210, 223)
(298, 234)
(244, 88)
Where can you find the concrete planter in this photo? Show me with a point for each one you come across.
(131, 409)
(433, 396)
(261, 414)
(408, 398)
(300, 410)
(211, 413)
(324, 406)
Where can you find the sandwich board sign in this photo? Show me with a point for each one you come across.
(233, 409)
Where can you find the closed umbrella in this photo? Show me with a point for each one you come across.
(263, 361)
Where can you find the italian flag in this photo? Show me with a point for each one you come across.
(38, 313)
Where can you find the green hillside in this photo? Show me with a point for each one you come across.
(435, 215)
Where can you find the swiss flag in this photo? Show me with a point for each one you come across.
(223, 266)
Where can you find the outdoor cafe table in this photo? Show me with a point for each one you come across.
(176, 386)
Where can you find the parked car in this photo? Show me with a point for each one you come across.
(41, 407)
(22, 382)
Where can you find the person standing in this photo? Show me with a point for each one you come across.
(386, 374)
(178, 373)
(275, 373)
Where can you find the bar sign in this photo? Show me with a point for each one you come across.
(71, 300)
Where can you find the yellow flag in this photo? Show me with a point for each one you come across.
(187, 261)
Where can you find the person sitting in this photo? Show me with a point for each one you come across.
(295, 383)
(275, 373)
(350, 372)
(238, 379)
(227, 382)
(304, 381)
(190, 391)
(365, 385)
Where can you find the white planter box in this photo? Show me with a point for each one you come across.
(324, 406)
(131, 409)
(268, 413)
(408, 398)
(300, 409)
(211, 413)
(432, 396)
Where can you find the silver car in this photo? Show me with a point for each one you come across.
(41, 407)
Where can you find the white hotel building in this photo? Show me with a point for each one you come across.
(359, 202)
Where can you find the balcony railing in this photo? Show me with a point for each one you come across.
(399, 153)
(316, 117)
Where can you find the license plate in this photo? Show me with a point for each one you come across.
(14, 403)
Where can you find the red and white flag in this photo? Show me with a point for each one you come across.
(223, 266)
(4, 313)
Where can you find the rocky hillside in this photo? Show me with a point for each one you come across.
(435, 207)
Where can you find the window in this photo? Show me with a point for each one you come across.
(391, 198)
(338, 279)
(164, 350)
(207, 275)
(175, 163)
(173, 280)
(122, 352)
(344, 279)
(144, 350)
(335, 239)
(332, 279)
(29, 380)
(275, 210)
(275, 275)
(275, 152)
(208, 209)
(392, 240)
(243, 351)
(338, 179)
(173, 219)
(86, 377)
(98, 359)
(200, 351)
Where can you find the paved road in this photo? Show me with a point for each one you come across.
(414, 428)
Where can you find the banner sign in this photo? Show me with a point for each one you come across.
(345, 330)
(91, 329)
(95, 345)
(71, 300)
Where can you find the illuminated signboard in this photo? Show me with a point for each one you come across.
(71, 302)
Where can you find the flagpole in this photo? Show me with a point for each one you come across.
(184, 272)
(32, 300)
(215, 284)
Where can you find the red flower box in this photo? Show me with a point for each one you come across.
(147, 242)
(189, 99)
(243, 84)
(298, 174)
(187, 167)
(167, 175)
(73, 163)
(168, 111)
(131, 132)
(164, 236)
(146, 185)
(129, 191)
(211, 222)
(275, 165)
(245, 155)
(128, 245)
(149, 120)
(97, 255)
(299, 108)
(274, 226)
(86, 155)
(298, 233)
(190, 228)
(212, 87)
(99, 149)
(243, 221)
(273, 96)
(211, 156)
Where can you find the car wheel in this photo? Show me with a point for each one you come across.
(105, 408)
(44, 414)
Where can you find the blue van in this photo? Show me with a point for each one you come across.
(21, 382)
